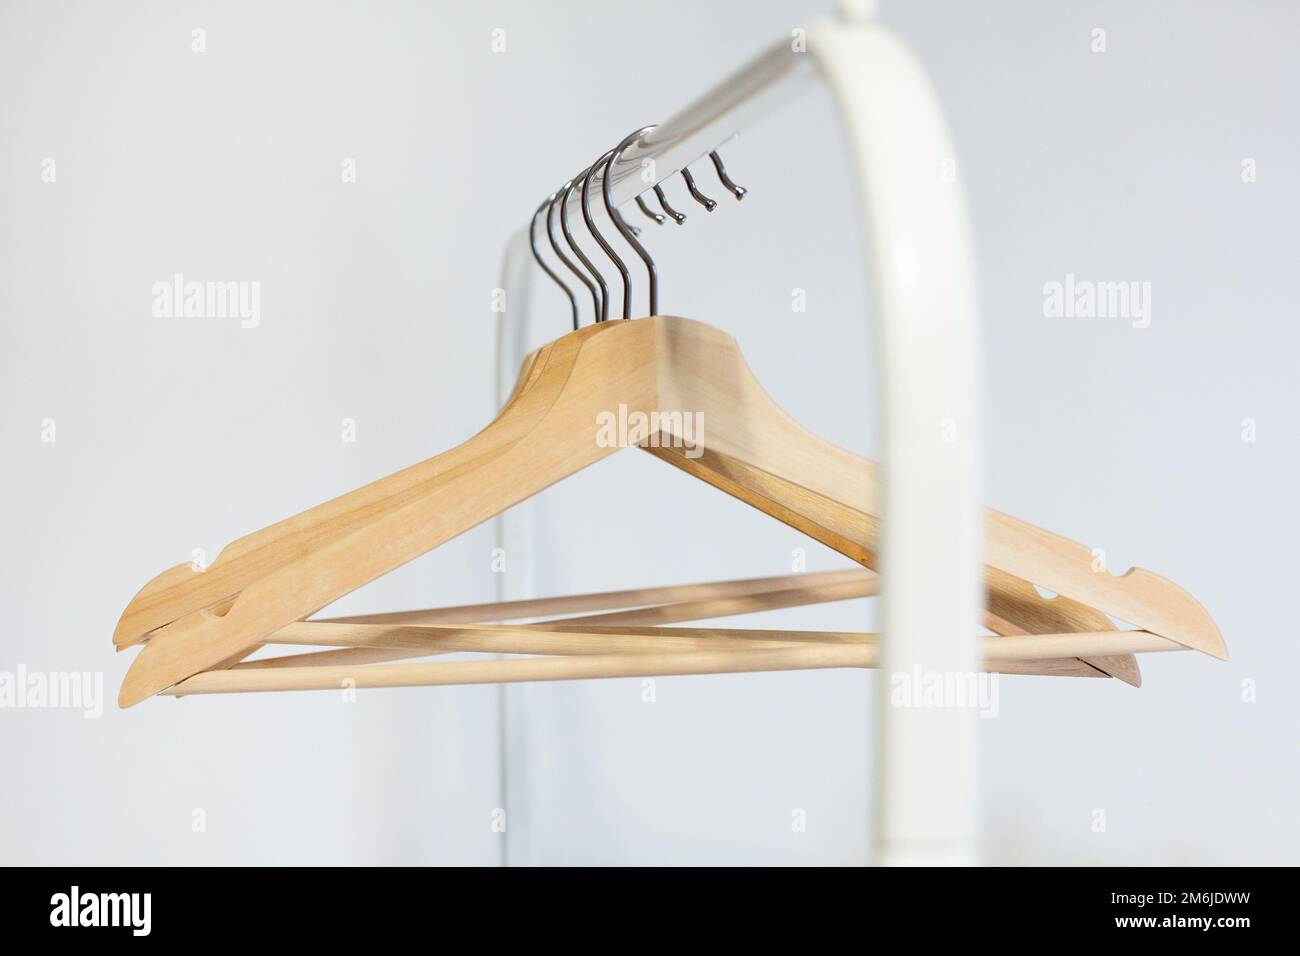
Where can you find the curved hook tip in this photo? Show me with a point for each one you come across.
(677, 217)
(659, 218)
(694, 190)
(737, 191)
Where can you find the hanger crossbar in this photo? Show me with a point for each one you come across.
(642, 654)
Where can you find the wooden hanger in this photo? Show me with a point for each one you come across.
(694, 602)
(180, 591)
(402, 635)
(547, 431)
(393, 640)
(587, 653)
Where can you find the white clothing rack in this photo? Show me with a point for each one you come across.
(918, 262)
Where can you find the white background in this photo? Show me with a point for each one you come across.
(176, 434)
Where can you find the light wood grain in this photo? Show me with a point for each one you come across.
(811, 587)
(1014, 607)
(695, 602)
(861, 651)
(181, 590)
(593, 372)
(753, 450)
(605, 639)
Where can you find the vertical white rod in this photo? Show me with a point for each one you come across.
(512, 530)
(921, 272)
(919, 262)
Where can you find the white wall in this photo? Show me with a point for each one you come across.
(175, 434)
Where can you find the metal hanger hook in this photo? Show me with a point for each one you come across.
(659, 218)
(737, 191)
(532, 244)
(677, 217)
(591, 227)
(607, 194)
(602, 308)
(555, 244)
(698, 196)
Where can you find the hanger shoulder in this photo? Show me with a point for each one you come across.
(754, 451)
(610, 366)
(1013, 607)
(702, 369)
(181, 590)
(1139, 597)
(549, 429)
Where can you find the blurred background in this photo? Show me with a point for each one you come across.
(133, 148)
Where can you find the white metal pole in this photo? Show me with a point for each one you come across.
(920, 268)
(513, 535)
(919, 263)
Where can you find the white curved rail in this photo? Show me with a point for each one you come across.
(919, 264)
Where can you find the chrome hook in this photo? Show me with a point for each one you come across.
(532, 244)
(606, 192)
(737, 191)
(678, 217)
(591, 227)
(659, 218)
(698, 196)
(555, 244)
(602, 311)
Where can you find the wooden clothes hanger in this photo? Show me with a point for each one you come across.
(667, 373)
(547, 431)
